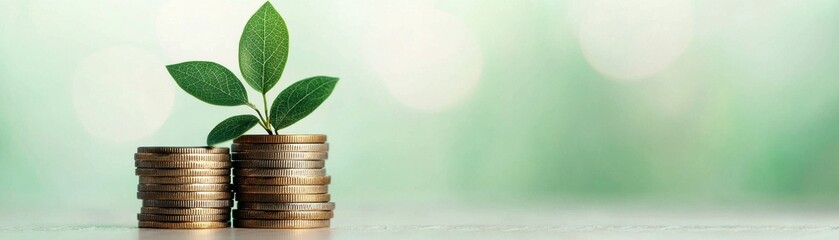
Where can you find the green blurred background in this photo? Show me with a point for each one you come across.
(462, 100)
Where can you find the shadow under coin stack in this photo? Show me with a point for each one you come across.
(184, 187)
(280, 182)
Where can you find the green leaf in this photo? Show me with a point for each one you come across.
(263, 48)
(300, 99)
(209, 82)
(231, 128)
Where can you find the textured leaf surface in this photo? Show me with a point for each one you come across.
(231, 128)
(209, 82)
(263, 48)
(300, 99)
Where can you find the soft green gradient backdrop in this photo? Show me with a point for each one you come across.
(748, 110)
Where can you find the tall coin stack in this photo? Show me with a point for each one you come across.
(184, 187)
(280, 182)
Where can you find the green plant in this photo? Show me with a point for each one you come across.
(263, 51)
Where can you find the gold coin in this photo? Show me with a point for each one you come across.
(280, 224)
(317, 180)
(184, 211)
(184, 195)
(294, 189)
(183, 218)
(281, 215)
(285, 147)
(329, 206)
(281, 156)
(181, 164)
(182, 157)
(185, 180)
(183, 150)
(268, 172)
(292, 138)
(188, 203)
(282, 164)
(183, 225)
(284, 198)
(156, 172)
(183, 187)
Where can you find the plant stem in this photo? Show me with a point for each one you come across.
(267, 114)
(261, 119)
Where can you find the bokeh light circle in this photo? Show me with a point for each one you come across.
(122, 93)
(632, 40)
(428, 59)
(207, 30)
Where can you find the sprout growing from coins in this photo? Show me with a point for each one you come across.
(263, 51)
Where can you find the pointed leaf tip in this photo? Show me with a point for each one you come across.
(267, 4)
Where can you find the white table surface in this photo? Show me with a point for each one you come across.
(440, 221)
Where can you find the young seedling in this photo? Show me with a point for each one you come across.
(263, 51)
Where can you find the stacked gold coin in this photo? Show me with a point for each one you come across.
(184, 187)
(280, 182)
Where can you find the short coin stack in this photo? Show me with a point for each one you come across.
(280, 182)
(184, 187)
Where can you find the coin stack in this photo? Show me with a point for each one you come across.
(184, 187)
(280, 182)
